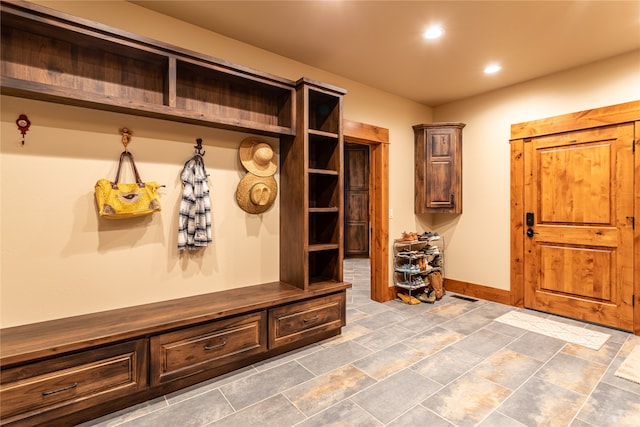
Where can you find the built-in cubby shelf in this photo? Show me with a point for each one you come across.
(52, 56)
(313, 162)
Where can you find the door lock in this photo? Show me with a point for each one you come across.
(530, 232)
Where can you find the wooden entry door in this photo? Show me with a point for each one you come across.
(356, 194)
(578, 204)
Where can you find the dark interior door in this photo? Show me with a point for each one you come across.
(356, 204)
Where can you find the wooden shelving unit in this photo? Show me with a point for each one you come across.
(312, 164)
(52, 56)
(165, 346)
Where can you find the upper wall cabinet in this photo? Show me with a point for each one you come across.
(52, 56)
(438, 167)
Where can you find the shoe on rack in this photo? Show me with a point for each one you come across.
(407, 237)
(428, 296)
(408, 299)
(435, 279)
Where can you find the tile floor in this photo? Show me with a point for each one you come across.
(446, 364)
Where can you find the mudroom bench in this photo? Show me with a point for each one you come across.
(70, 370)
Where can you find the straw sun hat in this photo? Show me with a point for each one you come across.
(256, 194)
(257, 156)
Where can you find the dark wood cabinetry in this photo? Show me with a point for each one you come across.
(192, 350)
(69, 383)
(438, 167)
(290, 323)
(98, 363)
(52, 56)
(311, 226)
(101, 362)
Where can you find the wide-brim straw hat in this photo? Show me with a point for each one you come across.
(257, 156)
(256, 194)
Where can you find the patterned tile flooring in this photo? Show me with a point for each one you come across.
(442, 364)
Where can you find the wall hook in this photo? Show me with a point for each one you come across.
(23, 125)
(198, 147)
(126, 137)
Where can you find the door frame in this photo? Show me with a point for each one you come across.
(377, 139)
(628, 112)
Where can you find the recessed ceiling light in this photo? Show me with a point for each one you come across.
(433, 32)
(492, 68)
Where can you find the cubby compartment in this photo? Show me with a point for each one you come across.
(323, 227)
(213, 93)
(324, 112)
(46, 62)
(324, 265)
(324, 190)
(324, 152)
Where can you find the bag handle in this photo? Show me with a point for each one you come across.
(114, 184)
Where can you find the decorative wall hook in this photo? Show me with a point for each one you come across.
(23, 125)
(198, 147)
(126, 137)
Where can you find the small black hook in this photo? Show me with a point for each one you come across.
(198, 147)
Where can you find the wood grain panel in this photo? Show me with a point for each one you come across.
(296, 321)
(477, 291)
(193, 350)
(86, 378)
(517, 223)
(574, 183)
(578, 271)
(586, 119)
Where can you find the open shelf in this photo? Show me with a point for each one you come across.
(324, 191)
(323, 228)
(231, 98)
(323, 152)
(324, 265)
(52, 56)
(324, 111)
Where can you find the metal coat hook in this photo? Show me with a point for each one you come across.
(126, 137)
(198, 147)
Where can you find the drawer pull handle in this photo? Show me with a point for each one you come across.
(213, 347)
(313, 319)
(69, 387)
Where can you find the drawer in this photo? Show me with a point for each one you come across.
(82, 379)
(293, 322)
(193, 350)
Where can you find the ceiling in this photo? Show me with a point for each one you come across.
(380, 43)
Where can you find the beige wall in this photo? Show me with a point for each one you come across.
(58, 259)
(478, 240)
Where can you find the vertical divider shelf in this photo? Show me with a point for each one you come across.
(312, 181)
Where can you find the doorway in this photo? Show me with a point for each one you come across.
(377, 139)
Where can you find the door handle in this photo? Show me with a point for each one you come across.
(530, 232)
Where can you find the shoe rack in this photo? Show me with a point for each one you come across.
(414, 259)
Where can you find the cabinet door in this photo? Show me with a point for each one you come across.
(438, 169)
